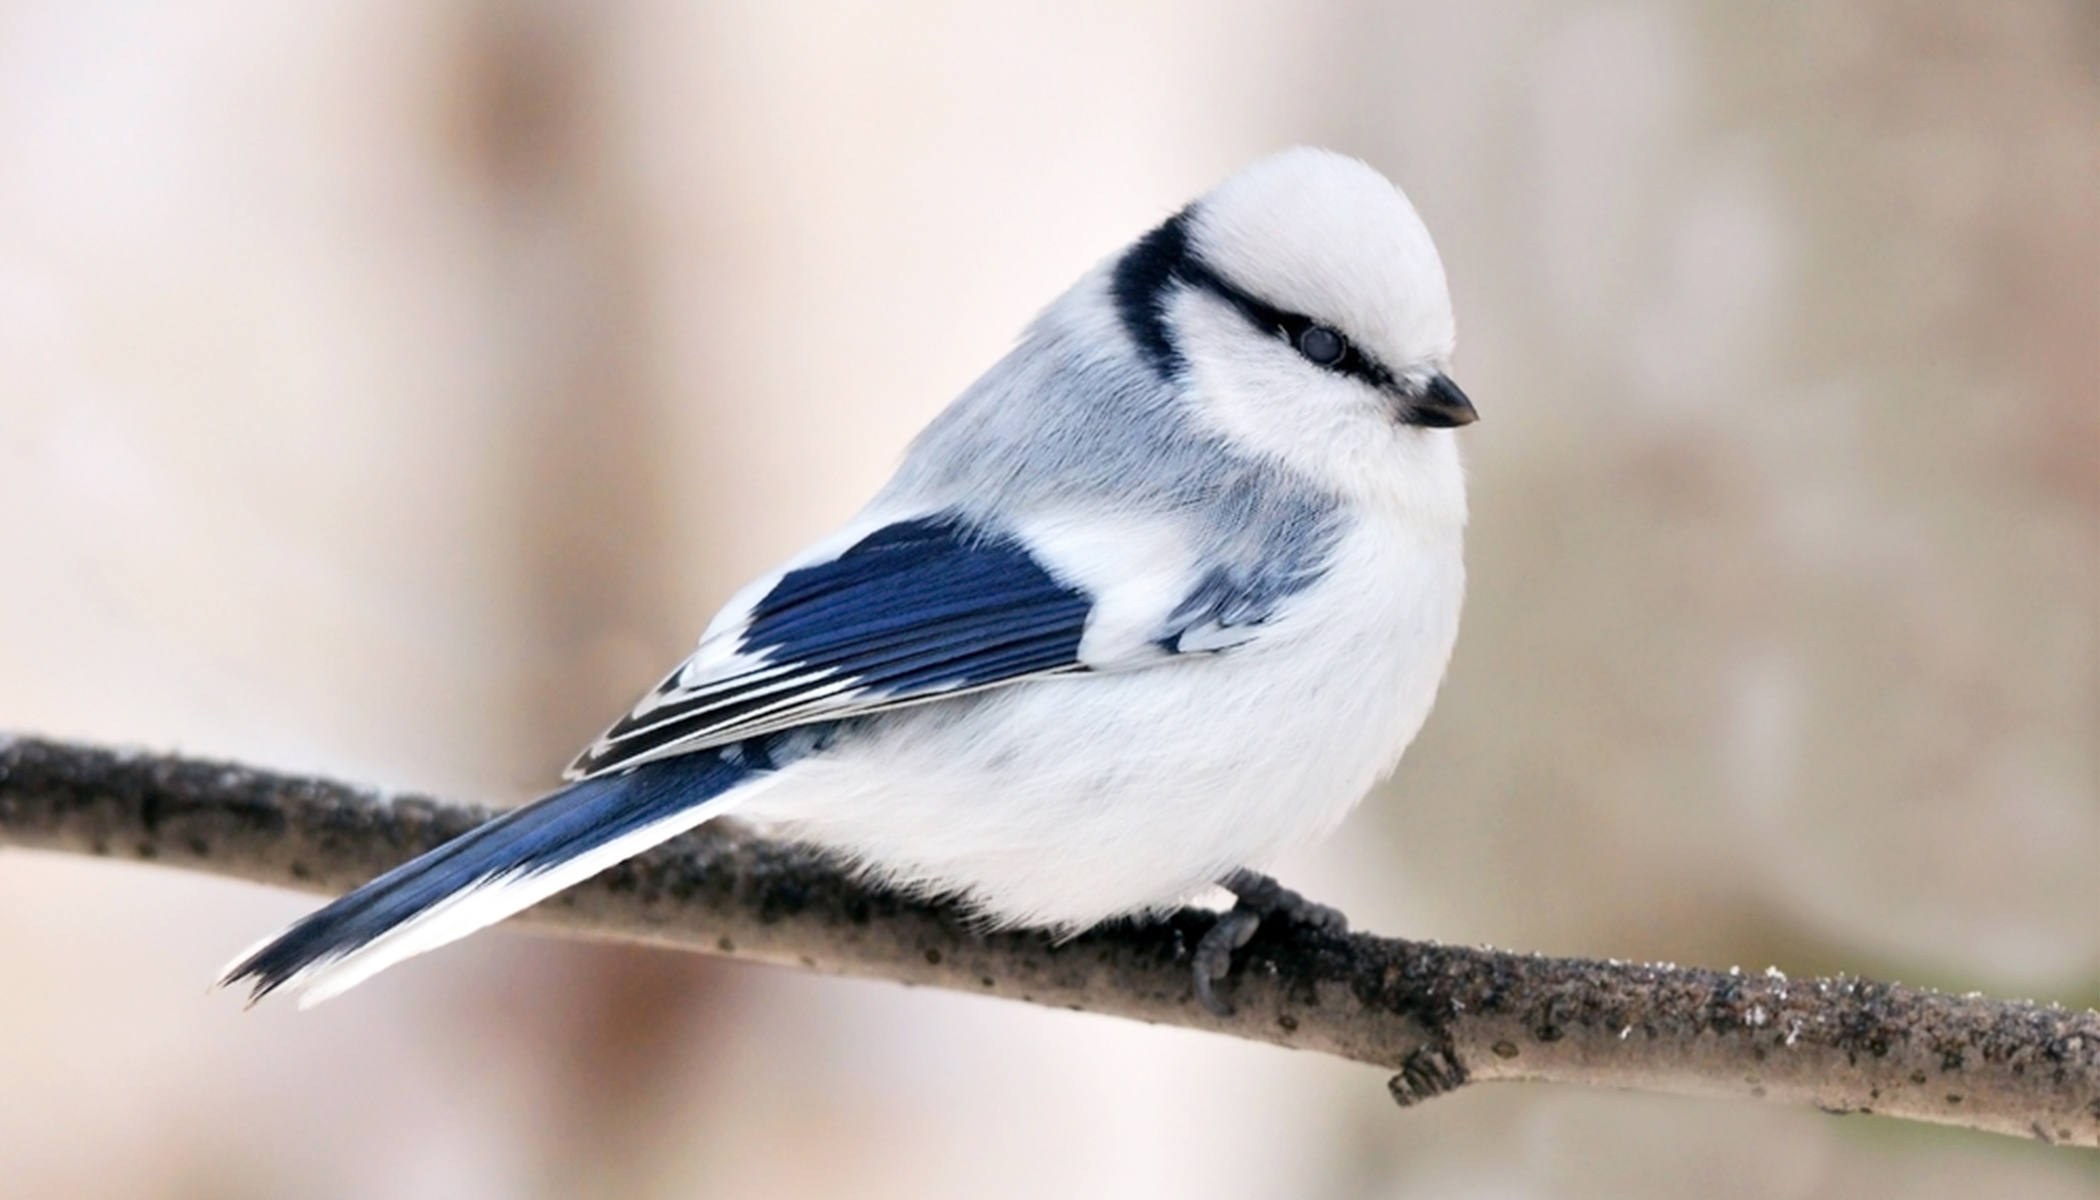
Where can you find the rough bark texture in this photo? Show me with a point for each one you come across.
(1439, 1016)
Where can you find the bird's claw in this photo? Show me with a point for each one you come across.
(1268, 898)
(1258, 898)
(1214, 953)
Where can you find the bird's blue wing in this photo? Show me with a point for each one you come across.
(916, 610)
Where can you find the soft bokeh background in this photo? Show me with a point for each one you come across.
(393, 389)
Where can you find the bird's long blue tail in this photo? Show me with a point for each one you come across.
(483, 876)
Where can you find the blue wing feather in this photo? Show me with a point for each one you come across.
(919, 608)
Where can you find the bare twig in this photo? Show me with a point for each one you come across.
(1440, 1016)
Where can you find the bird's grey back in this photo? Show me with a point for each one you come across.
(1075, 418)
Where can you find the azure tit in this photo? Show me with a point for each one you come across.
(1155, 601)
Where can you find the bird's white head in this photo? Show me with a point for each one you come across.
(1303, 306)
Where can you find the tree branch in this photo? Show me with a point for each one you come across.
(1440, 1016)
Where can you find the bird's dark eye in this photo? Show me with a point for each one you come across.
(1322, 345)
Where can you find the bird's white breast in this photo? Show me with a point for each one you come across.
(1066, 801)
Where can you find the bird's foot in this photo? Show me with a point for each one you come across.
(1258, 898)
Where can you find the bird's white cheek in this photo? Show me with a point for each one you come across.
(1262, 397)
(1328, 429)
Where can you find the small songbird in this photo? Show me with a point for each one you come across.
(1156, 600)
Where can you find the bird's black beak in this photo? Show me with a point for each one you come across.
(1440, 406)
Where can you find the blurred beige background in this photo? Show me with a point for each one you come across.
(392, 390)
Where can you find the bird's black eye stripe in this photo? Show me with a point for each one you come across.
(1320, 344)
(1143, 284)
(1148, 275)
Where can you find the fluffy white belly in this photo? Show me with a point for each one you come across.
(1066, 801)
